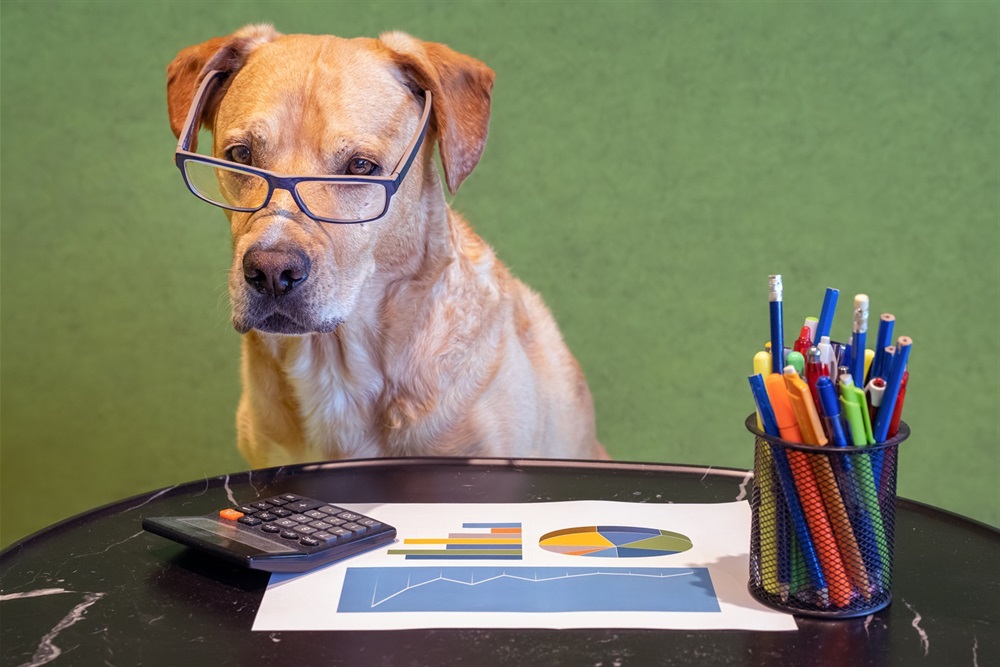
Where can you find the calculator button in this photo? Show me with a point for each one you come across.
(300, 518)
(302, 505)
(320, 525)
(349, 516)
(324, 536)
(370, 523)
(289, 497)
(354, 528)
(280, 512)
(247, 509)
(250, 520)
(315, 514)
(266, 516)
(290, 535)
(334, 521)
(340, 532)
(309, 542)
(262, 505)
(230, 514)
(277, 501)
(329, 509)
(270, 528)
(286, 523)
(305, 530)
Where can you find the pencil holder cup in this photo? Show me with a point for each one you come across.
(823, 521)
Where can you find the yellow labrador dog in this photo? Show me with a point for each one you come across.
(375, 322)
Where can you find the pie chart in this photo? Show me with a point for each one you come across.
(614, 542)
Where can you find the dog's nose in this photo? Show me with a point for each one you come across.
(276, 272)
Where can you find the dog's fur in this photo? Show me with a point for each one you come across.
(408, 337)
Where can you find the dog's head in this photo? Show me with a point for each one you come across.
(308, 105)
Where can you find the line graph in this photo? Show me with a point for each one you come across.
(526, 589)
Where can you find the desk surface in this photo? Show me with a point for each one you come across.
(97, 589)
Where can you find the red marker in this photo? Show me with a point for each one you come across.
(898, 411)
(814, 370)
(804, 341)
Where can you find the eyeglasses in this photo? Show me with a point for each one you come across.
(236, 187)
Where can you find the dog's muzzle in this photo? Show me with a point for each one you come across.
(274, 298)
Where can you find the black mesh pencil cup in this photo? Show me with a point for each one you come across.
(823, 521)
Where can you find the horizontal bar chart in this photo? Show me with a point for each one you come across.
(476, 541)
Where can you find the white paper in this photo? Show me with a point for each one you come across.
(701, 587)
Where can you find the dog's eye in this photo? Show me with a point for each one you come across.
(240, 154)
(361, 167)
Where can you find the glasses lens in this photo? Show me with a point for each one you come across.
(226, 187)
(343, 202)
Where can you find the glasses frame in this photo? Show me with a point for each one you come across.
(276, 181)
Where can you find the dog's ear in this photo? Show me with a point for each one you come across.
(460, 109)
(185, 73)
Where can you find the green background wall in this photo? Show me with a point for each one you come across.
(648, 165)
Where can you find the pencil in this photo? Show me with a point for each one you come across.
(826, 314)
(774, 296)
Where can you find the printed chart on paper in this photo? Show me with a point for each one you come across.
(535, 565)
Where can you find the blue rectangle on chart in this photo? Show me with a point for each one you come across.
(527, 589)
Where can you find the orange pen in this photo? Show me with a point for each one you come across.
(812, 433)
(809, 493)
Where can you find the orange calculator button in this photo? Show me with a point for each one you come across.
(230, 514)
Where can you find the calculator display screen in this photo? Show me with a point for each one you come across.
(226, 534)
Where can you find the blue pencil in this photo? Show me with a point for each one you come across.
(885, 325)
(777, 326)
(859, 332)
(787, 482)
(826, 314)
(880, 429)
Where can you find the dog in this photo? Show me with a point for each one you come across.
(399, 336)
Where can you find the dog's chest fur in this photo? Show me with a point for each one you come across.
(339, 386)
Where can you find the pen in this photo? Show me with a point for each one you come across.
(884, 337)
(831, 411)
(859, 332)
(869, 359)
(804, 341)
(875, 390)
(774, 295)
(826, 354)
(898, 412)
(814, 370)
(813, 324)
(826, 314)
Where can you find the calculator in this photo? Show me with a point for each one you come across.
(286, 533)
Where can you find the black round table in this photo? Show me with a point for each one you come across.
(98, 590)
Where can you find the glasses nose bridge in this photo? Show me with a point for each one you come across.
(283, 196)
